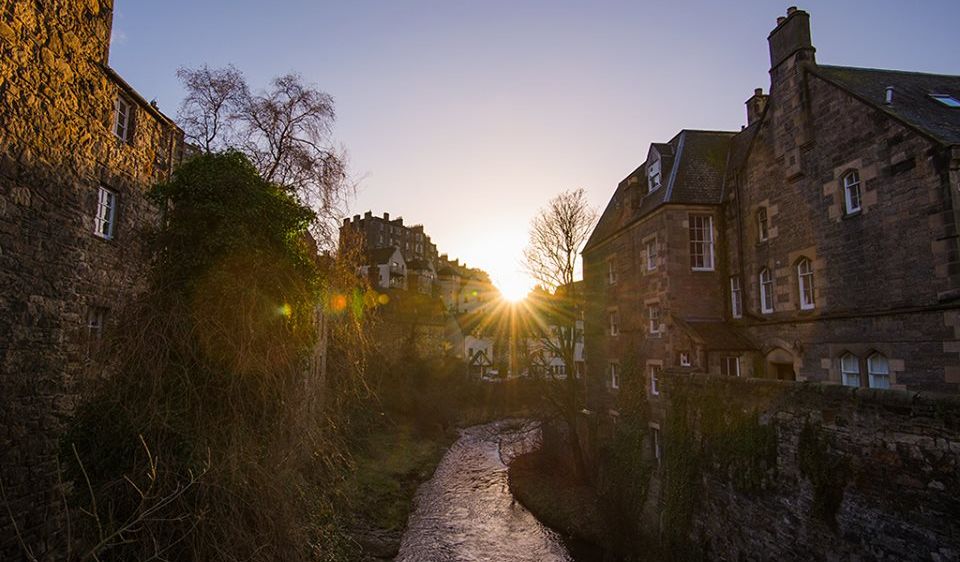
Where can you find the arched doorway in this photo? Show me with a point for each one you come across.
(780, 365)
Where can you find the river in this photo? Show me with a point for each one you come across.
(466, 513)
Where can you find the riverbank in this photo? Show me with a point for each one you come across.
(389, 466)
(557, 499)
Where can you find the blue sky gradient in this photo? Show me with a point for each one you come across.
(467, 116)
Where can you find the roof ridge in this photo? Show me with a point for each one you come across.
(893, 70)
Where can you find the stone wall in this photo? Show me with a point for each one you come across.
(797, 471)
(57, 147)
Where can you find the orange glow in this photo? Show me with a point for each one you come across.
(513, 287)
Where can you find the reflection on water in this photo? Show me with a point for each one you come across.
(466, 512)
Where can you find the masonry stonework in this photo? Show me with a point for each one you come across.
(57, 149)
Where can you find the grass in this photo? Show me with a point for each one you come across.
(389, 466)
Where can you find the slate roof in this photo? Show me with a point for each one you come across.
(379, 256)
(692, 167)
(912, 103)
(716, 335)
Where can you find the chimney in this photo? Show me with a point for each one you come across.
(386, 216)
(889, 99)
(346, 221)
(356, 218)
(791, 37)
(755, 105)
(368, 214)
(400, 221)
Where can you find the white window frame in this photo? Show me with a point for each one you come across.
(105, 219)
(766, 300)
(805, 284)
(736, 297)
(614, 376)
(653, 319)
(725, 363)
(654, 179)
(122, 118)
(763, 225)
(702, 246)
(613, 315)
(878, 371)
(650, 250)
(653, 371)
(852, 196)
(684, 359)
(850, 370)
(611, 271)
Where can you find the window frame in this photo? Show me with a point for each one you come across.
(845, 372)
(612, 271)
(127, 134)
(613, 318)
(806, 284)
(654, 175)
(849, 187)
(736, 296)
(612, 368)
(766, 302)
(651, 257)
(706, 250)
(105, 215)
(725, 365)
(763, 224)
(873, 374)
(653, 372)
(651, 318)
(684, 359)
(946, 99)
(656, 440)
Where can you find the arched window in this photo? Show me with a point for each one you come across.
(850, 370)
(805, 283)
(763, 230)
(851, 191)
(766, 291)
(878, 370)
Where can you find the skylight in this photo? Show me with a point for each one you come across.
(946, 99)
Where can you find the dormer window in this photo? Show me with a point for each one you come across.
(947, 100)
(653, 175)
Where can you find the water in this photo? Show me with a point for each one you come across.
(466, 512)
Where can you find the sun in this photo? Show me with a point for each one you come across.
(513, 288)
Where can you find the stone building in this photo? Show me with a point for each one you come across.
(78, 148)
(382, 232)
(819, 243)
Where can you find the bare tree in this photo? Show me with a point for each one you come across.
(286, 131)
(557, 235)
(213, 98)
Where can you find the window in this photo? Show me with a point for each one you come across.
(654, 371)
(123, 119)
(736, 297)
(763, 232)
(651, 252)
(96, 317)
(851, 192)
(850, 370)
(655, 443)
(684, 359)
(653, 176)
(611, 271)
(701, 242)
(614, 376)
(730, 366)
(653, 317)
(766, 291)
(104, 222)
(805, 284)
(614, 322)
(878, 370)
(946, 100)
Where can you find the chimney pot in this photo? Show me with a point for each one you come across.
(758, 91)
(791, 10)
(781, 19)
(889, 98)
(346, 221)
(356, 218)
(386, 216)
(368, 214)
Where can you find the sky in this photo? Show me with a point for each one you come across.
(467, 116)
